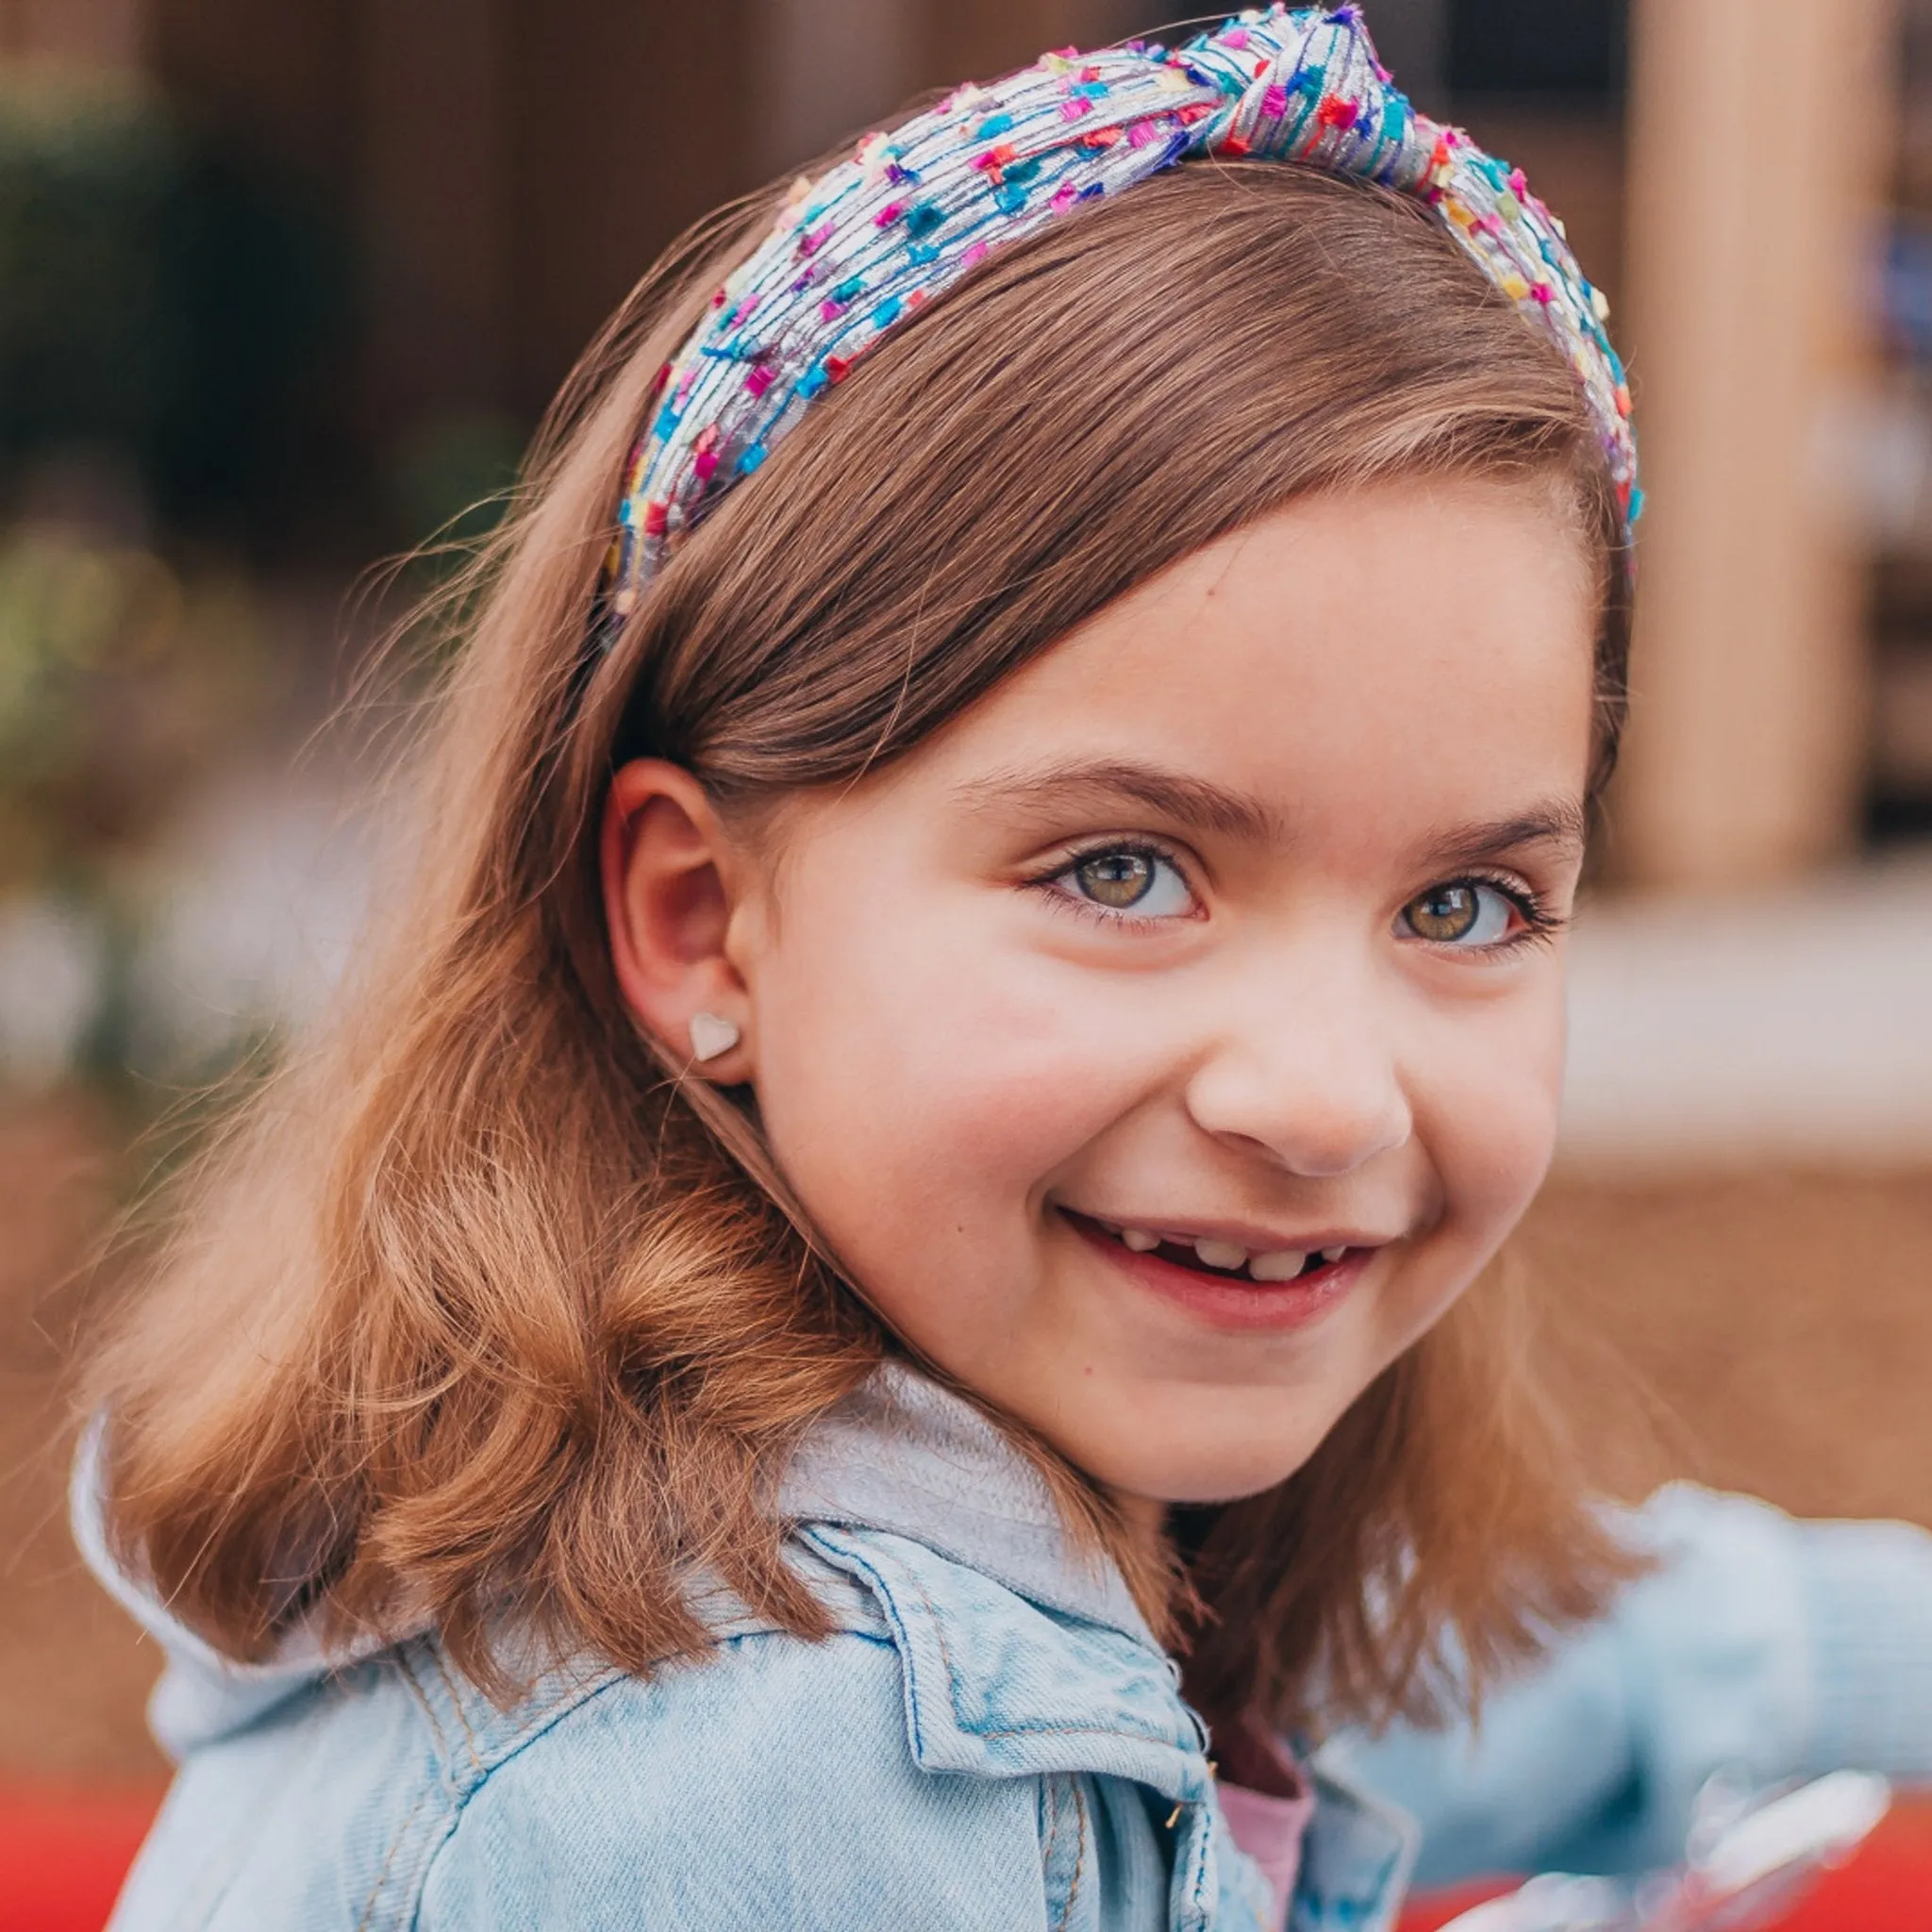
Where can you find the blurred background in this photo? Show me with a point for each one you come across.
(283, 290)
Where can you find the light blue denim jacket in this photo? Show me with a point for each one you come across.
(991, 1740)
(1760, 1647)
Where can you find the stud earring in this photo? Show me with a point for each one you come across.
(711, 1034)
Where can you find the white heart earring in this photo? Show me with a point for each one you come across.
(712, 1035)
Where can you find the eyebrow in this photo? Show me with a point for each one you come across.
(1196, 803)
(1204, 806)
(1560, 823)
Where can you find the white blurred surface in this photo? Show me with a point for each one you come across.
(1794, 1024)
(254, 903)
(51, 964)
(235, 926)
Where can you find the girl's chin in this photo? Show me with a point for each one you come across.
(1147, 1493)
(1158, 1448)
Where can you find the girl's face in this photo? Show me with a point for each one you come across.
(1166, 1043)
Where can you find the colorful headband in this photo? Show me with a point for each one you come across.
(882, 234)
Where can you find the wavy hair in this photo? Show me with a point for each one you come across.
(477, 1312)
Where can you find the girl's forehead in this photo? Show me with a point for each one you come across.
(1449, 626)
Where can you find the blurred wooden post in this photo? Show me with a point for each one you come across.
(1412, 38)
(1759, 136)
(434, 130)
(84, 33)
(628, 119)
(830, 68)
(990, 36)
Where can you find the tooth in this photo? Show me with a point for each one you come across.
(1283, 1264)
(1220, 1254)
(1334, 1254)
(1138, 1240)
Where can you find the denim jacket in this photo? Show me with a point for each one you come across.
(991, 1740)
(1760, 1647)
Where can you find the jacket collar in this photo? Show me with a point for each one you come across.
(904, 1458)
(909, 1458)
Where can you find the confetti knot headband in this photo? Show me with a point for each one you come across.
(909, 214)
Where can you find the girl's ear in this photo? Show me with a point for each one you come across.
(667, 907)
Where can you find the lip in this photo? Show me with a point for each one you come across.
(1236, 1306)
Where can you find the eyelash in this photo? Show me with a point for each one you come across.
(1540, 923)
(1048, 882)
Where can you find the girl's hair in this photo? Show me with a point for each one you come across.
(479, 1315)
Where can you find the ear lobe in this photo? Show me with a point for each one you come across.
(667, 907)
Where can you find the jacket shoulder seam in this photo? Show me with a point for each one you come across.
(581, 1694)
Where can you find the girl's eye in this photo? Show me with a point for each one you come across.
(1129, 878)
(1461, 912)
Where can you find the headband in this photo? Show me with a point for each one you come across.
(907, 215)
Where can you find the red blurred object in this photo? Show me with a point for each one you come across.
(62, 1857)
(1437, 1909)
(63, 1854)
(1886, 1888)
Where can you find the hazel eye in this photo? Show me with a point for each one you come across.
(1126, 879)
(1460, 912)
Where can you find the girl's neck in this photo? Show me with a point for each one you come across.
(1145, 1517)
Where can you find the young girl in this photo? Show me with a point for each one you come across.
(985, 973)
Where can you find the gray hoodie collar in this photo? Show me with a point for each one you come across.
(901, 1455)
(905, 1455)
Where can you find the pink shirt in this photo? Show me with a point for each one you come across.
(1267, 1817)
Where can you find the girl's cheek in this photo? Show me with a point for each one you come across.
(971, 1067)
(919, 1089)
(1491, 1118)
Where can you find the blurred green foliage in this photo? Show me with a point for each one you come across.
(118, 681)
(449, 479)
(157, 297)
(90, 331)
(171, 323)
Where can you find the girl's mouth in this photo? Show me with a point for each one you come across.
(1230, 1286)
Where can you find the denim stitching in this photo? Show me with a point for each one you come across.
(601, 1681)
(400, 1665)
(1079, 1856)
(1049, 1789)
(1207, 1851)
(432, 1843)
(895, 1620)
(548, 1713)
(389, 1860)
(463, 1715)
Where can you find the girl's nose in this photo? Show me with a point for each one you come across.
(1317, 1087)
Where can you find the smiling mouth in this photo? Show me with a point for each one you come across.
(1220, 1261)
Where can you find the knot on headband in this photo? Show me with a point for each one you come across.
(909, 214)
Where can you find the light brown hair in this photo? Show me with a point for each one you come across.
(477, 1312)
